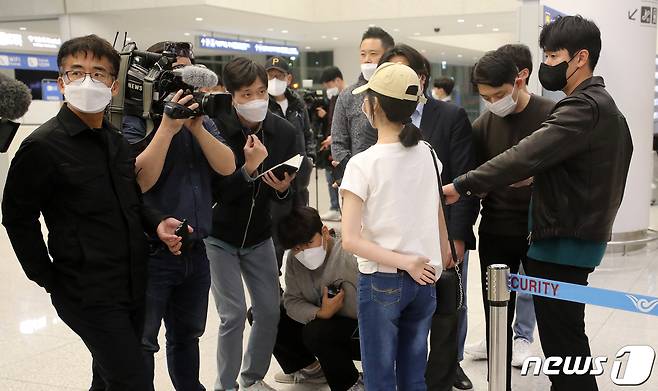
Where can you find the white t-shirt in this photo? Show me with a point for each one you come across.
(284, 105)
(400, 194)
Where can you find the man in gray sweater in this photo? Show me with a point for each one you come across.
(319, 305)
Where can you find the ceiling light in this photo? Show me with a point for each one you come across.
(460, 56)
(424, 51)
(416, 34)
(495, 29)
(128, 39)
(270, 29)
(324, 37)
(186, 34)
(22, 28)
(396, 30)
(460, 20)
(371, 25)
(284, 31)
(335, 38)
(199, 19)
(308, 48)
(479, 25)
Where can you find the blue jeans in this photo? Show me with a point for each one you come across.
(395, 315)
(524, 320)
(177, 290)
(333, 192)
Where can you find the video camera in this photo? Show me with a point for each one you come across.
(150, 80)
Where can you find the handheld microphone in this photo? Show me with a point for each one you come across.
(15, 99)
(197, 76)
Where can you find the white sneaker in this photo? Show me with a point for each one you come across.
(331, 215)
(477, 351)
(300, 376)
(358, 386)
(520, 351)
(259, 386)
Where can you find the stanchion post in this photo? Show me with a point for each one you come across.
(498, 295)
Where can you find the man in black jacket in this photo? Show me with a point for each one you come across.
(579, 158)
(79, 172)
(447, 128)
(288, 105)
(285, 103)
(240, 244)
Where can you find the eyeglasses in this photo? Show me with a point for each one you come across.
(96, 76)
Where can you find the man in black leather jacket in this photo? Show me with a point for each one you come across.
(579, 159)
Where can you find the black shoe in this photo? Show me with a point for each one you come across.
(462, 382)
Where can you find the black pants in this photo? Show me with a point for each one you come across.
(561, 323)
(511, 251)
(442, 362)
(332, 341)
(112, 334)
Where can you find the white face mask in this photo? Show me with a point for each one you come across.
(435, 96)
(254, 111)
(331, 92)
(312, 258)
(504, 106)
(367, 70)
(276, 87)
(88, 96)
(371, 119)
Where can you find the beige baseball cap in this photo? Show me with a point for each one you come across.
(394, 80)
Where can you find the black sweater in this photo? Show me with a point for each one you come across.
(241, 216)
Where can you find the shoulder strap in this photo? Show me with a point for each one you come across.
(443, 200)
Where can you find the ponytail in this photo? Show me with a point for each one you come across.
(410, 135)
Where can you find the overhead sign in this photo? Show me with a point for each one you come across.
(29, 41)
(28, 61)
(551, 14)
(246, 47)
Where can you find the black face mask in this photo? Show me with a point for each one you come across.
(554, 78)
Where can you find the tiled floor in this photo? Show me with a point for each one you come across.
(39, 352)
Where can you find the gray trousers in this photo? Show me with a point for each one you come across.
(257, 266)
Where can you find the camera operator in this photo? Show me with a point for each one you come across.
(332, 80)
(175, 174)
(79, 172)
(319, 306)
(240, 244)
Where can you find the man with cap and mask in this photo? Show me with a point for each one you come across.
(319, 305)
(579, 158)
(79, 173)
(350, 131)
(285, 103)
(175, 174)
(240, 244)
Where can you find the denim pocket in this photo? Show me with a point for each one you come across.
(386, 289)
(433, 291)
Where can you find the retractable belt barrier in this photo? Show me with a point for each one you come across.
(499, 284)
(584, 294)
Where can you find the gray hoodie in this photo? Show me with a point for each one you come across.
(303, 295)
